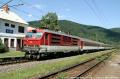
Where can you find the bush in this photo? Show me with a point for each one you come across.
(3, 48)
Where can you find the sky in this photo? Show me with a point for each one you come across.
(103, 13)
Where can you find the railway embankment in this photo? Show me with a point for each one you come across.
(40, 68)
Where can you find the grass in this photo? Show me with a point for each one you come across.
(12, 54)
(42, 69)
(62, 76)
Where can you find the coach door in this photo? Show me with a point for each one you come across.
(81, 44)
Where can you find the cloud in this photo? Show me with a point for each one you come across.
(37, 6)
(61, 16)
(68, 9)
(30, 15)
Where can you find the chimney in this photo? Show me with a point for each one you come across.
(6, 8)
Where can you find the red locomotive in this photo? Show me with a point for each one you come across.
(40, 42)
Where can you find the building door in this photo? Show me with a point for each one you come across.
(12, 43)
(6, 42)
(18, 44)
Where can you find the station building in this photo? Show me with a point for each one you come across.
(12, 28)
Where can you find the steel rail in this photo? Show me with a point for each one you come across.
(90, 68)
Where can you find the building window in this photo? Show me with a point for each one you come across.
(12, 25)
(21, 29)
(12, 43)
(9, 31)
(6, 24)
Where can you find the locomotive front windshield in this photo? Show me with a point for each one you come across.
(38, 35)
(35, 35)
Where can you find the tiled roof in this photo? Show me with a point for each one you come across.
(11, 16)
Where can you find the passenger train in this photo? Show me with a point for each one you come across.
(41, 42)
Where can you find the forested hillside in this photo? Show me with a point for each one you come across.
(115, 29)
(87, 31)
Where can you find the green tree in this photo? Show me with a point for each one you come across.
(50, 21)
(1, 46)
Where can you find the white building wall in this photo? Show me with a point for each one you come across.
(15, 30)
(16, 35)
(7, 16)
(9, 41)
(15, 42)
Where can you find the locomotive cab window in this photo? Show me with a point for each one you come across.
(29, 35)
(36, 35)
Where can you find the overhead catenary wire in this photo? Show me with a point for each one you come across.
(22, 11)
(101, 13)
(94, 11)
(6, 3)
(29, 5)
(21, 2)
(16, 5)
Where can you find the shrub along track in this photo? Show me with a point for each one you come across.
(13, 60)
(77, 70)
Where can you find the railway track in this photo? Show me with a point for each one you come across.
(75, 71)
(13, 60)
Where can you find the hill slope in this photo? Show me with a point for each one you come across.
(116, 30)
(87, 31)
